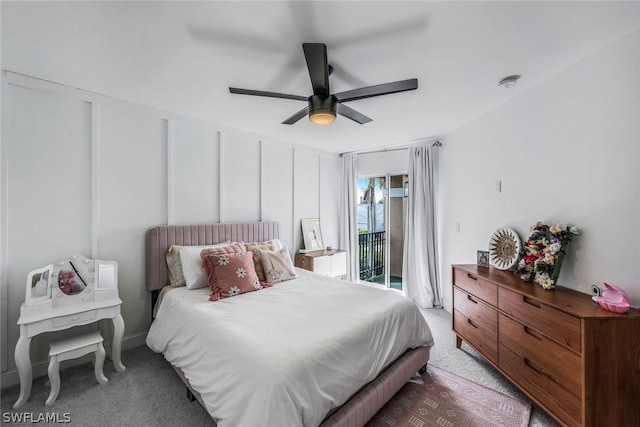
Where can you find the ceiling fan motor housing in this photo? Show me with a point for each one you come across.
(322, 109)
(322, 103)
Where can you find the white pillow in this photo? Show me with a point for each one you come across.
(194, 276)
(277, 243)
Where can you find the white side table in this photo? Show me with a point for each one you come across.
(330, 262)
(72, 348)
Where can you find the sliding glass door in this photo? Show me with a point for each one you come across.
(371, 228)
(381, 212)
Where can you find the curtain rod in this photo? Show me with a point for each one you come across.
(437, 143)
(383, 150)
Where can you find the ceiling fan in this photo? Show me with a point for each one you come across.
(323, 105)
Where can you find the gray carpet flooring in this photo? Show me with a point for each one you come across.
(150, 394)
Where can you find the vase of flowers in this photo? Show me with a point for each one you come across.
(544, 253)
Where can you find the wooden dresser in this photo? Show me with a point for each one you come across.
(579, 362)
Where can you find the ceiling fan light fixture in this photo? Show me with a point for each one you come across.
(322, 109)
(322, 117)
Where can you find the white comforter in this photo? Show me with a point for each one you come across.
(286, 355)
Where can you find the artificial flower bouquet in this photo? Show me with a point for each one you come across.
(544, 253)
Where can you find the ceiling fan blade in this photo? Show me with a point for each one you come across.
(267, 94)
(316, 56)
(377, 90)
(352, 114)
(297, 116)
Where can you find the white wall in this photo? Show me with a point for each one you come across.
(90, 174)
(568, 150)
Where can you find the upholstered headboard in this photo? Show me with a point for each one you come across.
(161, 237)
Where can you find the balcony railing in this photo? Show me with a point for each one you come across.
(371, 254)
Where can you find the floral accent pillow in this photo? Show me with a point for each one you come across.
(544, 253)
(233, 248)
(230, 274)
(191, 260)
(277, 265)
(255, 247)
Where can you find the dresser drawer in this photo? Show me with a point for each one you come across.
(565, 405)
(479, 313)
(73, 319)
(475, 285)
(485, 340)
(559, 362)
(554, 323)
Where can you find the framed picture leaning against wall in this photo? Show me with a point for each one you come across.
(312, 234)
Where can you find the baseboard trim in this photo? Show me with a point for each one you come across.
(11, 377)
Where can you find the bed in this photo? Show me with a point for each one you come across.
(309, 351)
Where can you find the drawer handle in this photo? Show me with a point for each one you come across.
(528, 331)
(470, 276)
(531, 302)
(470, 298)
(471, 323)
(535, 368)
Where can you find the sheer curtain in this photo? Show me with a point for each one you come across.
(420, 276)
(348, 214)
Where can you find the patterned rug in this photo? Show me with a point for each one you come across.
(440, 398)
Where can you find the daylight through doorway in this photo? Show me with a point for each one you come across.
(381, 216)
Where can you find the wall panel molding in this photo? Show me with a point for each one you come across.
(219, 162)
(4, 317)
(139, 166)
(222, 169)
(194, 174)
(95, 119)
(240, 178)
(170, 137)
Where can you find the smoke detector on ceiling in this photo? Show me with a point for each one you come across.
(509, 81)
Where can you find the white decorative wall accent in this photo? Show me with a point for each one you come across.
(239, 178)
(194, 173)
(276, 184)
(86, 173)
(306, 176)
(132, 182)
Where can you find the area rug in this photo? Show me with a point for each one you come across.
(440, 398)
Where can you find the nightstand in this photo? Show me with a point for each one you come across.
(330, 262)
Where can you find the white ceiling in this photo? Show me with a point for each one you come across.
(183, 56)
